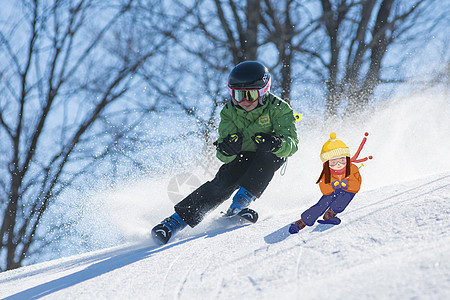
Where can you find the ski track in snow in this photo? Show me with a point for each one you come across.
(393, 243)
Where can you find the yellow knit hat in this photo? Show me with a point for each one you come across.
(334, 148)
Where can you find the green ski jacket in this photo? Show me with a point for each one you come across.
(275, 117)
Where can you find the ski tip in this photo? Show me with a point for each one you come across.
(294, 228)
(161, 234)
(249, 215)
(332, 221)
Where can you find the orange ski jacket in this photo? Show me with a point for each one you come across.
(354, 181)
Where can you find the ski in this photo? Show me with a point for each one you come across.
(161, 234)
(333, 221)
(247, 214)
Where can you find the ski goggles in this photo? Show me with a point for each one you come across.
(342, 161)
(249, 95)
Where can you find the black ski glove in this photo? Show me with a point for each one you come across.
(231, 145)
(267, 142)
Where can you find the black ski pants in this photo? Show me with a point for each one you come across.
(251, 170)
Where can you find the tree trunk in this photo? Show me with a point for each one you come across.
(378, 52)
(332, 27)
(250, 43)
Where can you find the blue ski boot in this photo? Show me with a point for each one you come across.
(241, 200)
(164, 231)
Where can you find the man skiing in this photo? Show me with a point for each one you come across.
(256, 134)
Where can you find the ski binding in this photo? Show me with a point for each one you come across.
(247, 214)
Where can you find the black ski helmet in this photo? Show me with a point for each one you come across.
(250, 75)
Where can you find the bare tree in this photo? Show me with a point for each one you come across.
(358, 36)
(234, 31)
(340, 45)
(239, 31)
(287, 25)
(57, 83)
(239, 22)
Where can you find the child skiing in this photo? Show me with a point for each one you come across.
(339, 182)
(256, 134)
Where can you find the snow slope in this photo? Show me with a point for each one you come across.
(393, 243)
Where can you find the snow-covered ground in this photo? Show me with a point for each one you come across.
(393, 243)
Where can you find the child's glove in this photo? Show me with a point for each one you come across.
(267, 142)
(231, 145)
(340, 184)
(336, 185)
(344, 184)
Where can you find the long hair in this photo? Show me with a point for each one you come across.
(327, 173)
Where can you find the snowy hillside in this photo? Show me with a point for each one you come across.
(393, 243)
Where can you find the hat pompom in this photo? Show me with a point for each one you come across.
(333, 135)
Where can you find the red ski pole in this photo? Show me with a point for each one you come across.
(355, 157)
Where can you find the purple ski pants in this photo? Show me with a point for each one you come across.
(337, 201)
